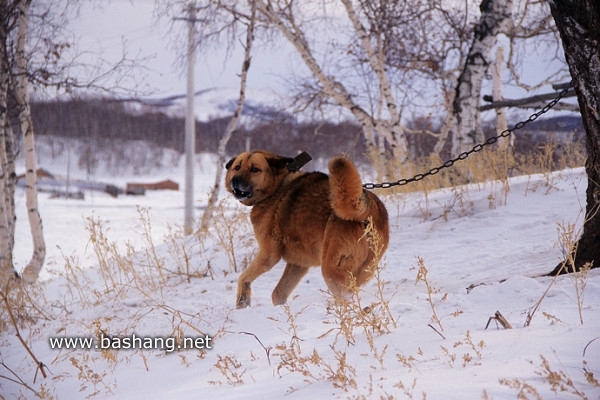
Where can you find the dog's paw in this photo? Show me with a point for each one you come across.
(243, 302)
(278, 299)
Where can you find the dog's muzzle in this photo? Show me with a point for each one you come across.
(240, 189)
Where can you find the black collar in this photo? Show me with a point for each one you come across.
(301, 160)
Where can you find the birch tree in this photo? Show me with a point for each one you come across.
(402, 43)
(7, 220)
(383, 51)
(33, 52)
(21, 94)
(283, 16)
(385, 61)
(522, 25)
(7, 189)
(506, 144)
(15, 83)
(495, 15)
(8, 12)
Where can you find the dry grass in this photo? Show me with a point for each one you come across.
(559, 381)
(432, 292)
(568, 236)
(231, 234)
(489, 165)
(131, 295)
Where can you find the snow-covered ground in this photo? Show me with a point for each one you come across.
(421, 339)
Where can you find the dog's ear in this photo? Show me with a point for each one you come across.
(229, 163)
(278, 163)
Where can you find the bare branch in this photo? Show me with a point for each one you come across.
(528, 102)
(4, 295)
(208, 212)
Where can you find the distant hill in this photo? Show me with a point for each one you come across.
(561, 131)
(557, 124)
(102, 126)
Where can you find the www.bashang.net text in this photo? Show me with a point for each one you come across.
(131, 342)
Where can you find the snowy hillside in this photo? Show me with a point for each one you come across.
(456, 257)
(218, 102)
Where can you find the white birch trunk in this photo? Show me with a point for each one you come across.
(448, 126)
(33, 268)
(501, 120)
(494, 15)
(7, 196)
(393, 131)
(6, 266)
(212, 200)
(7, 168)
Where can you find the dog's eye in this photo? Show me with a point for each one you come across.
(254, 170)
(237, 167)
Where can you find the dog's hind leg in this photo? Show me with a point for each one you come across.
(289, 280)
(344, 253)
(257, 267)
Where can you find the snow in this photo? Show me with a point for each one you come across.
(494, 239)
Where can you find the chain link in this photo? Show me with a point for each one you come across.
(475, 149)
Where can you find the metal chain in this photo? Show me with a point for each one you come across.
(475, 149)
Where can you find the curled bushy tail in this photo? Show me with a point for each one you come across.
(358, 237)
(348, 199)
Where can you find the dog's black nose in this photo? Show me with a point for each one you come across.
(240, 188)
(238, 181)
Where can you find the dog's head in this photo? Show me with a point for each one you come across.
(254, 176)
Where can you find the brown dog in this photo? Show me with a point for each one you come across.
(308, 219)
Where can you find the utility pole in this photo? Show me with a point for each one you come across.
(190, 127)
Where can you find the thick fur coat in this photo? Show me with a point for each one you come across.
(308, 219)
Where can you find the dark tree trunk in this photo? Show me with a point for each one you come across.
(578, 22)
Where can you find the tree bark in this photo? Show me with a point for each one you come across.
(7, 190)
(284, 21)
(494, 15)
(537, 101)
(7, 154)
(8, 180)
(393, 131)
(578, 22)
(507, 143)
(21, 92)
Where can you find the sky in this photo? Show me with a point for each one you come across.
(132, 25)
(108, 29)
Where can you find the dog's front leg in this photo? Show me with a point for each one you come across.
(257, 267)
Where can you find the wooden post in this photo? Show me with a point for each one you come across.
(190, 131)
(501, 121)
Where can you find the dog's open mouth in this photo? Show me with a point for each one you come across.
(240, 189)
(240, 194)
